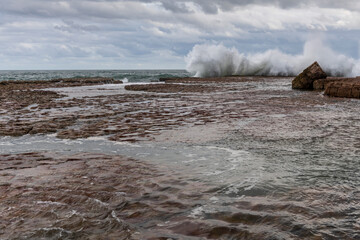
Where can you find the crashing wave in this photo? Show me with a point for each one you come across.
(207, 60)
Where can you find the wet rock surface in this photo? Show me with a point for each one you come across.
(296, 151)
(306, 79)
(19, 99)
(128, 116)
(141, 113)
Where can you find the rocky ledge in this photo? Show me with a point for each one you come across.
(59, 82)
(348, 88)
(111, 112)
(20, 94)
(314, 78)
(321, 84)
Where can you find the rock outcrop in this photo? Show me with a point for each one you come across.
(348, 88)
(321, 84)
(306, 79)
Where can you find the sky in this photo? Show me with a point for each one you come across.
(144, 34)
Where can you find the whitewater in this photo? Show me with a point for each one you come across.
(214, 60)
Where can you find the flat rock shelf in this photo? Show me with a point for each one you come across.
(184, 158)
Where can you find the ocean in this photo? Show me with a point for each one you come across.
(127, 75)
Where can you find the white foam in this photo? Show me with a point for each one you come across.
(113, 214)
(197, 212)
(50, 203)
(209, 60)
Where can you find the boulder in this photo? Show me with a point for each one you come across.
(306, 79)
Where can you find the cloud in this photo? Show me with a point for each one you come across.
(212, 6)
(176, 7)
(202, 14)
(71, 26)
(138, 30)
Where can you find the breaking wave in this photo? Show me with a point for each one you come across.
(207, 60)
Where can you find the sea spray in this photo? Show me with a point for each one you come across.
(209, 60)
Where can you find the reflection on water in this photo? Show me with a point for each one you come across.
(291, 171)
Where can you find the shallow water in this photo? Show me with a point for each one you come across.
(290, 170)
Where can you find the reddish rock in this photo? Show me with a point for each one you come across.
(306, 79)
(347, 88)
(60, 82)
(321, 84)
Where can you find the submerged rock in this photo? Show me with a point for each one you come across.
(306, 79)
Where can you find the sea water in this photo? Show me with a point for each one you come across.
(125, 75)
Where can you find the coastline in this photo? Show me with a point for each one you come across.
(208, 157)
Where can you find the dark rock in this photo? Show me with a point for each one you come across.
(306, 79)
(163, 79)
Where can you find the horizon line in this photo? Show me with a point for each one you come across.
(130, 69)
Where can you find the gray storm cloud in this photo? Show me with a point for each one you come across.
(115, 31)
(66, 7)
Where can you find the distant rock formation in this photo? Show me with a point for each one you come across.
(306, 79)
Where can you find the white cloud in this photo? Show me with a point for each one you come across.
(137, 30)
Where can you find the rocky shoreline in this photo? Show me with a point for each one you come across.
(139, 113)
(21, 98)
(30, 108)
(41, 107)
(88, 195)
